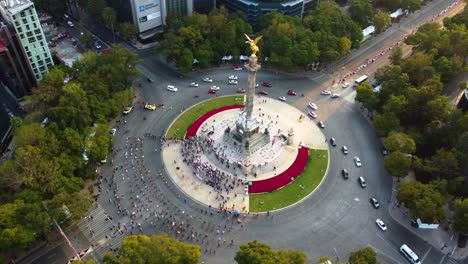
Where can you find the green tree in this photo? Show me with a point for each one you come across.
(95, 7)
(411, 5)
(396, 56)
(127, 30)
(37, 171)
(255, 252)
(155, 249)
(361, 11)
(344, 46)
(397, 164)
(73, 110)
(447, 164)
(380, 20)
(418, 67)
(386, 123)
(363, 256)
(365, 94)
(396, 104)
(460, 217)
(86, 39)
(185, 62)
(328, 20)
(423, 200)
(391, 5)
(399, 141)
(108, 16)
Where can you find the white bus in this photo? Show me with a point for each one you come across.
(360, 80)
(409, 254)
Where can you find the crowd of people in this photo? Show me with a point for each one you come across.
(135, 197)
(223, 183)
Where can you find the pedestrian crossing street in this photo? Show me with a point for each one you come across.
(100, 231)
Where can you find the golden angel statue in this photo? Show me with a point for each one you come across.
(253, 44)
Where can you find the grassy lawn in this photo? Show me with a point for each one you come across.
(292, 193)
(183, 122)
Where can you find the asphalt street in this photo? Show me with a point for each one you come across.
(337, 219)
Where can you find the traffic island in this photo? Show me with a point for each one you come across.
(299, 189)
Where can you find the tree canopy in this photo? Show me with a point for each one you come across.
(139, 249)
(363, 256)
(255, 252)
(325, 34)
(48, 169)
(423, 200)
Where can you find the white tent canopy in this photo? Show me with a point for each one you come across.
(368, 30)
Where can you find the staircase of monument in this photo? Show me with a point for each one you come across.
(257, 141)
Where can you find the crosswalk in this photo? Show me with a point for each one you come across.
(100, 231)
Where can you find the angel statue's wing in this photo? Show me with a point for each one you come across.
(257, 39)
(248, 38)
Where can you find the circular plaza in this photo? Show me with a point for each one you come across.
(210, 162)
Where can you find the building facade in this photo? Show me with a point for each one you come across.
(21, 14)
(149, 15)
(253, 9)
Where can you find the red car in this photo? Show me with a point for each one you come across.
(262, 92)
(292, 93)
(266, 84)
(212, 91)
(240, 91)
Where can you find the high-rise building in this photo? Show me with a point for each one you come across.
(149, 15)
(32, 44)
(253, 9)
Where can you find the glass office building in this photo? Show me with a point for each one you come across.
(252, 9)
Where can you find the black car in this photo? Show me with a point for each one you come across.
(345, 174)
(333, 142)
(374, 203)
(321, 124)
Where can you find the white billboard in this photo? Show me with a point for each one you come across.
(147, 14)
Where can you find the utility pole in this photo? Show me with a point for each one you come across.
(59, 229)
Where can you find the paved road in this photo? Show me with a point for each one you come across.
(334, 221)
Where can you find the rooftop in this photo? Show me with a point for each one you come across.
(12, 7)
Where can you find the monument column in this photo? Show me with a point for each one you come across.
(252, 69)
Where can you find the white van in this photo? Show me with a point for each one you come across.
(360, 80)
(409, 254)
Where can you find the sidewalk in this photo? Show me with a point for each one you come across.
(442, 238)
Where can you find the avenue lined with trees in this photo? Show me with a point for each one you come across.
(423, 132)
(46, 180)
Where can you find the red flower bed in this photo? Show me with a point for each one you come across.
(192, 130)
(284, 178)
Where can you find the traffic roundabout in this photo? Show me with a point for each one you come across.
(277, 168)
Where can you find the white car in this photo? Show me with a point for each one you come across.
(193, 84)
(335, 95)
(312, 114)
(214, 87)
(357, 161)
(127, 110)
(345, 85)
(282, 98)
(257, 85)
(69, 23)
(232, 77)
(234, 82)
(113, 131)
(207, 80)
(313, 106)
(325, 92)
(381, 224)
(172, 88)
